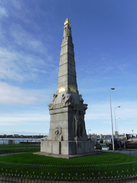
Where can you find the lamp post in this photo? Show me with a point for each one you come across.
(132, 133)
(88, 134)
(117, 124)
(115, 118)
(111, 117)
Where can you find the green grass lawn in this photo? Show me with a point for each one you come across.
(93, 167)
(19, 149)
(104, 158)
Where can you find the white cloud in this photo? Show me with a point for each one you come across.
(101, 112)
(105, 68)
(98, 117)
(24, 119)
(25, 39)
(11, 95)
(25, 122)
(17, 4)
(3, 12)
(19, 66)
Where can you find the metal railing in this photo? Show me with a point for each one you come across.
(4, 179)
(17, 141)
(79, 173)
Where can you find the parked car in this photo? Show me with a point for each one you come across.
(97, 145)
(131, 143)
(116, 144)
(108, 142)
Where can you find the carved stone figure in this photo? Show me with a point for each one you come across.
(54, 97)
(58, 132)
(85, 107)
(81, 99)
(50, 106)
(78, 124)
(67, 99)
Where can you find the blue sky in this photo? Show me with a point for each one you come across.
(105, 45)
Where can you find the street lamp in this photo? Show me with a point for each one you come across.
(88, 131)
(117, 124)
(115, 118)
(111, 117)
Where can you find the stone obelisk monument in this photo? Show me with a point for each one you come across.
(67, 134)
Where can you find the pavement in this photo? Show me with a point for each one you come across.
(129, 152)
(132, 152)
(10, 154)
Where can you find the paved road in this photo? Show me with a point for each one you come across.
(132, 152)
(10, 154)
(129, 152)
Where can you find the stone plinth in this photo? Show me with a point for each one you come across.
(67, 147)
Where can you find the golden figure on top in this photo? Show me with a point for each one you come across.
(67, 22)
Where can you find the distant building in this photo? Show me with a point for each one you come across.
(16, 135)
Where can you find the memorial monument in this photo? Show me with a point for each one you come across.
(67, 133)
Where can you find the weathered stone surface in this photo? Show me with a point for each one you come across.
(67, 147)
(56, 147)
(67, 134)
(46, 146)
(52, 147)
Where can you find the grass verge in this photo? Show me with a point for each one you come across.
(105, 158)
(103, 165)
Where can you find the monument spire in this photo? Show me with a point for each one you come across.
(67, 133)
(67, 74)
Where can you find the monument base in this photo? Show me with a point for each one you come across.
(67, 156)
(67, 147)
